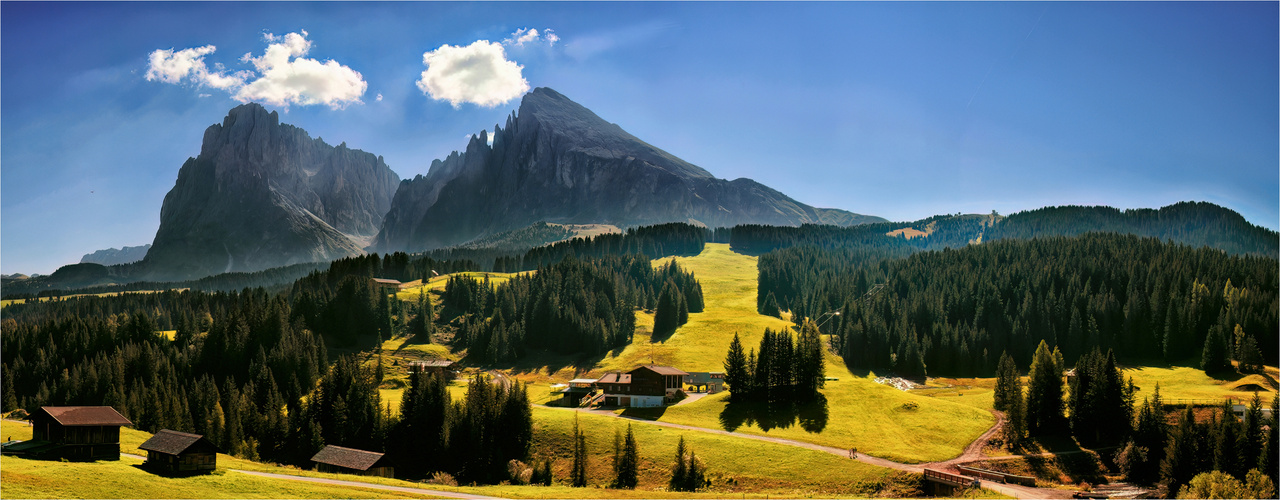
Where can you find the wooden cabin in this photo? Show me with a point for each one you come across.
(352, 461)
(174, 452)
(437, 366)
(644, 387)
(386, 285)
(76, 433)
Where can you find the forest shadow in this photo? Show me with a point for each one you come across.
(1071, 464)
(811, 415)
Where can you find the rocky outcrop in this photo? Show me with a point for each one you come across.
(113, 256)
(558, 162)
(263, 194)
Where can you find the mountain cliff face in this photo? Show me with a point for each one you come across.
(558, 162)
(264, 194)
(113, 256)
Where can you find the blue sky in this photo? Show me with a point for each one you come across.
(902, 110)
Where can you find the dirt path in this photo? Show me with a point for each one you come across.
(357, 484)
(975, 447)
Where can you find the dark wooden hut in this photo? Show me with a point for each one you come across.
(174, 452)
(352, 461)
(74, 433)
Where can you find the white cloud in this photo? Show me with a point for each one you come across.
(288, 78)
(283, 77)
(379, 98)
(527, 35)
(478, 73)
(169, 66)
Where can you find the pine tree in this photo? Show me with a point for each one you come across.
(626, 473)
(1180, 460)
(1214, 358)
(679, 470)
(1267, 460)
(1044, 394)
(1014, 412)
(578, 474)
(1251, 439)
(1226, 447)
(735, 370)
(810, 368)
(1008, 383)
(770, 306)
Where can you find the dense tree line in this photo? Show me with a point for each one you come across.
(1191, 223)
(1097, 407)
(959, 308)
(782, 369)
(473, 439)
(87, 354)
(574, 306)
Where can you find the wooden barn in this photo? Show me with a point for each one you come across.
(73, 433)
(174, 452)
(352, 461)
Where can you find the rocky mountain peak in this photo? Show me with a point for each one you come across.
(263, 194)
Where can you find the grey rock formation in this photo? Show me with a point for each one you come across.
(264, 194)
(556, 161)
(113, 256)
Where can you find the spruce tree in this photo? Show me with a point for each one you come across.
(1267, 462)
(1215, 359)
(735, 370)
(1044, 394)
(1180, 462)
(679, 470)
(627, 471)
(1226, 447)
(1251, 439)
(770, 306)
(1008, 383)
(578, 473)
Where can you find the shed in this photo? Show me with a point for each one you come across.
(176, 452)
(352, 461)
(75, 433)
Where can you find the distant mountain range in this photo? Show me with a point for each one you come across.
(113, 256)
(556, 161)
(264, 195)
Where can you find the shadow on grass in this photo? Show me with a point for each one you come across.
(645, 413)
(163, 473)
(811, 415)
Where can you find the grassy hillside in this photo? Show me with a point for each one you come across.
(877, 419)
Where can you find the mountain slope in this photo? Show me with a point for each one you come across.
(558, 162)
(264, 194)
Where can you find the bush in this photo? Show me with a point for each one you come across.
(443, 479)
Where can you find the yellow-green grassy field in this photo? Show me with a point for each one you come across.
(858, 412)
(1185, 383)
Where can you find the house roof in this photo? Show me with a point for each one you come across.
(85, 415)
(443, 363)
(350, 458)
(386, 281)
(174, 442)
(615, 378)
(663, 370)
(583, 381)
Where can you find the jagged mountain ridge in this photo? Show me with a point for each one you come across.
(556, 161)
(113, 256)
(262, 194)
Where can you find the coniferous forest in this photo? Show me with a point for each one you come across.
(953, 312)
